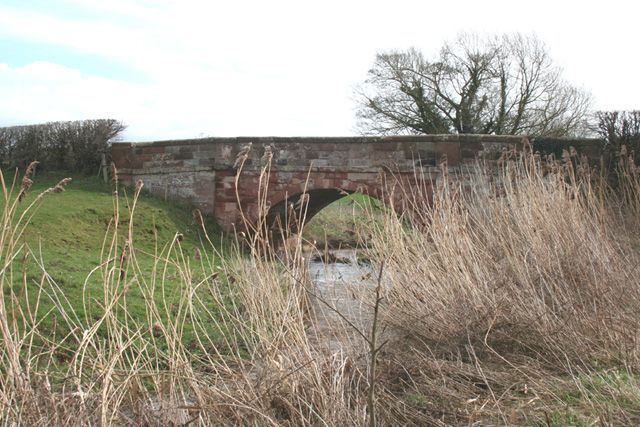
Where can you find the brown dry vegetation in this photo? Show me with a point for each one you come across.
(518, 309)
(510, 300)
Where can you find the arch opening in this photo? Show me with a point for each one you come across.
(332, 216)
(287, 214)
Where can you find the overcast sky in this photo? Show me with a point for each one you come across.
(183, 69)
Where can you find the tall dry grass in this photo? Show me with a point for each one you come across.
(251, 361)
(511, 299)
(512, 289)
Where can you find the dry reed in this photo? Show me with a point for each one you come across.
(503, 297)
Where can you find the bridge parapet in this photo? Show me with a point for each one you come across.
(201, 172)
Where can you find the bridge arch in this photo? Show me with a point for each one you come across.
(288, 213)
(284, 195)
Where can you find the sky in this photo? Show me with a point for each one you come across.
(187, 68)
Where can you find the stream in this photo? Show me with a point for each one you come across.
(343, 289)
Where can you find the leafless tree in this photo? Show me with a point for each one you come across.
(618, 127)
(500, 85)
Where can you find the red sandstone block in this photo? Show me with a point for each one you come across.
(452, 150)
(248, 193)
(470, 150)
(311, 154)
(121, 160)
(226, 179)
(153, 149)
(225, 173)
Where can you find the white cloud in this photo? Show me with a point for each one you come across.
(280, 67)
(42, 91)
(228, 105)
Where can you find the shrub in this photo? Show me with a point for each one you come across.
(74, 146)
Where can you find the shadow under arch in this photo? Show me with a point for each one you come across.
(399, 194)
(286, 216)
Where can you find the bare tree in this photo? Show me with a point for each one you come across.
(500, 85)
(618, 127)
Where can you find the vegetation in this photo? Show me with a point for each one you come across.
(67, 235)
(337, 225)
(519, 309)
(78, 146)
(504, 85)
(618, 128)
(512, 299)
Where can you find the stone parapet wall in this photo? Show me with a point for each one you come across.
(201, 171)
(294, 154)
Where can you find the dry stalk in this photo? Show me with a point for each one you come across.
(506, 297)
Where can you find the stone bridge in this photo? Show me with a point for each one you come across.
(210, 173)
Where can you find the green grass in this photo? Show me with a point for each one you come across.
(337, 223)
(562, 419)
(614, 390)
(70, 234)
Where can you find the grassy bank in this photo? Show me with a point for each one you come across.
(338, 225)
(62, 275)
